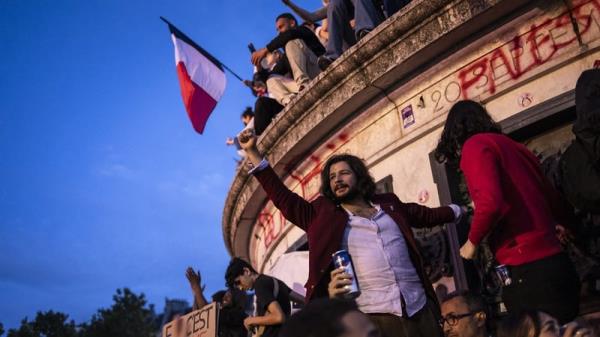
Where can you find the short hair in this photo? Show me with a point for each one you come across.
(465, 119)
(364, 181)
(473, 301)
(235, 269)
(247, 112)
(288, 16)
(319, 318)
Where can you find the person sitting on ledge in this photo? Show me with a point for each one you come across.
(366, 17)
(301, 48)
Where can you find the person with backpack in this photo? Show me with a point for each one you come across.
(273, 297)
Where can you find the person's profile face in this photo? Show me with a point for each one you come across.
(244, 281)
(227, 298)
(246, 120)
(283, 24)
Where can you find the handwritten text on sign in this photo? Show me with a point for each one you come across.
(198, 323)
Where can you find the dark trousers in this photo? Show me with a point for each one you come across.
(265, 109)
(550, 285)
(422, 324)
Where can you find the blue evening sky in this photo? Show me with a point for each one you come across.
(103, 182)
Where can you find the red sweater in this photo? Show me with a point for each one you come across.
(514, 202)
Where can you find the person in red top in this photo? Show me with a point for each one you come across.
(516, 208)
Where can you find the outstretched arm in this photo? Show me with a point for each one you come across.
(198, 290)
(315, 16)
(293, 207)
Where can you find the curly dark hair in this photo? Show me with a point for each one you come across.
(234, 269)
(364, 181)
(465, 119)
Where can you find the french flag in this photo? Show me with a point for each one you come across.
(201, 77)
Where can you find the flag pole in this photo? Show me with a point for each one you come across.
(224, 66)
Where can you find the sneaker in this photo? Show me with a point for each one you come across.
(324, 61)
(362, 34)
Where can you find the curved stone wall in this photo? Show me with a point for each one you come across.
(387, 97)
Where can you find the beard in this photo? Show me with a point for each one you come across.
(350, 195)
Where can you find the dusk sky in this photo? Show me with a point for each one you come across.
(103, 182)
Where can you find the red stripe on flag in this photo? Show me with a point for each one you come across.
(198, 103)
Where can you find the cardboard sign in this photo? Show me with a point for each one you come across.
(198, 323)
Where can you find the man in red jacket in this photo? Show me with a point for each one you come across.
(374, 228)
(516, 208)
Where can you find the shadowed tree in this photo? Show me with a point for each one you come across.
(1, 329)
(127, 317)
(46, 324)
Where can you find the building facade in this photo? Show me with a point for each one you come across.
(386, 100)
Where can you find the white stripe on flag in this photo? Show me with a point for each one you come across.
(200, 69)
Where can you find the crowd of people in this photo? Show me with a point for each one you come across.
(516, 212)
(299, 52)
(515, 208)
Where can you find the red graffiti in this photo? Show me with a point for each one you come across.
(526, 52)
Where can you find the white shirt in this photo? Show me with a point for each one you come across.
(382, 265)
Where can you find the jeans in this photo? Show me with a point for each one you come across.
(366, 17)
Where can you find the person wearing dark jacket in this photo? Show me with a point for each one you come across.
(375, 229)
(301, 45)
(580, 164)
(516, 209)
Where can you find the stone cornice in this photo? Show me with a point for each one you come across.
(402, 46)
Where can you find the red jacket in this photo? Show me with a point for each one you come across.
(324, 223)
(514, 202)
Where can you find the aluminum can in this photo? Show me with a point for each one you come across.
(503, 275)
(342, 258)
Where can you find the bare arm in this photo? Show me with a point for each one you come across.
(273, 316)
(198, 291)
(315, 16)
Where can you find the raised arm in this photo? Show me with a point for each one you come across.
(315, 16)
(293, 207)
(194, 278)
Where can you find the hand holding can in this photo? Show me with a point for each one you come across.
(343, 280)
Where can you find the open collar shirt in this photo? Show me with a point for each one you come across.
(382, 265)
